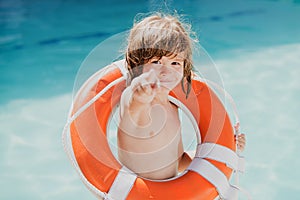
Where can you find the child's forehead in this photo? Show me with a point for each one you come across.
(174, 56)
(181, 55)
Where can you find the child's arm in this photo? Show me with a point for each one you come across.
(136, 99)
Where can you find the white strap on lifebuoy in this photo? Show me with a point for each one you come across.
(122, 184)
(121, 64)
(222, 154)
(214, 176)
(226, 95)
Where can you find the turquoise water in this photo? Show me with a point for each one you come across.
(255, 45)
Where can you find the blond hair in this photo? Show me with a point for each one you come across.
(159, 35)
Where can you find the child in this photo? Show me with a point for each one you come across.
(159, 57)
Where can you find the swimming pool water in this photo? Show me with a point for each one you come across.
(255, 45)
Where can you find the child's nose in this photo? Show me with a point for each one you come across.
(165, 70)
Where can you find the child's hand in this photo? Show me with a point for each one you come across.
(144, 87)
(241, 141)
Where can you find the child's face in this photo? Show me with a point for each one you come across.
(169, 70)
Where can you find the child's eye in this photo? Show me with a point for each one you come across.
(156, 62)
(176, 64)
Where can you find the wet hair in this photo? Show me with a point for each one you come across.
(156, 36)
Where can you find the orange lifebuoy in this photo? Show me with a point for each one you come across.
(97, 163)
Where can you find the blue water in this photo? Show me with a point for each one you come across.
(255, 45)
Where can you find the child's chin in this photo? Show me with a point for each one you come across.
(168, 85)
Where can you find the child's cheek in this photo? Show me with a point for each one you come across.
(179, 73)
